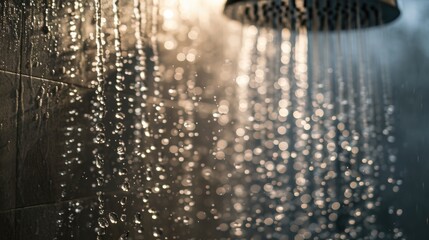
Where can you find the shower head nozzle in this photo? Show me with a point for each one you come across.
(313, 14)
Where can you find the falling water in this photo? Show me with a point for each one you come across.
(120, 142)
(99, 113)
(158, 130)
(310, 137)
(141, 132)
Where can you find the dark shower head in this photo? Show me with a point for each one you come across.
(313, 14)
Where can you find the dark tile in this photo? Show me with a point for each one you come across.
(10, 35)
(36, 222)
(8, 130)
(37, 143)
(55, 159)
(7, 225)
(57, 42)
(55, 143)
(76, 172)
(66, 220)
(78, 219)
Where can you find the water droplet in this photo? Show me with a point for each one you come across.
(157, 232)
(113, 217)
(102, 222)
(123, 172)
(138, 218)
(126, 186)
(120, 115)
(123, 201)
(100, 138)
(124, 236)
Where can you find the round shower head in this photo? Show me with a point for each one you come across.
(313, 14)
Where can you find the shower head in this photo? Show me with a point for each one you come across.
(313, 14)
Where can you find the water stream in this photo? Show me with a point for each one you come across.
(311, 156)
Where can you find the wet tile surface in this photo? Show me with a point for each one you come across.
(37, 141)
(56, 162)
(10, 35)
(9, 85)
(54, 143)
(56, 43)
(59, 45)
(55, 221)
(7, 223)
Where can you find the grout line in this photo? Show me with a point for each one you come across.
(205, 106)
(19, 115)
(58, 203)
(168, 102)
(37, 78)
